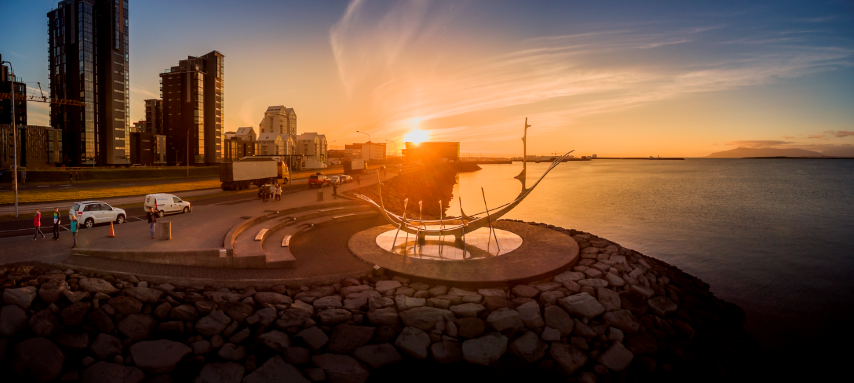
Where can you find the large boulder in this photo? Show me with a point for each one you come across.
(341, 368)
(662, 306)
(38, 360)
(96, 285)
(623, 320)
(525, 291)
(74, 314)
(213, 323)
(100, 321)
(384, 317)
(53, 290)
(384, 286)
(158, 356)
(144, 294)
(413, 342)
(609, 299)
(582, 305)
(275, 340)
(446, 351)
(558, 319)
(424, 318)
(485, 350)
(126, 305)
(467, 309)
(569, 276)
(529, 347)
(346, 338)
(569, 359)
(104, 372)
(470, 327)
(333, 317)
(377, 355)
(616, 358)
(530, 314)
(270, 298)
(313, 337)
(13, 319)
(292, 318)
(22, 297)
(506, 321)
(330, 302)
(184, 313)
(43, 323)
(276, 369)
(106, 346)
(137, 327)
(228, 372)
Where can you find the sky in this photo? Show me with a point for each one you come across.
(616, 78)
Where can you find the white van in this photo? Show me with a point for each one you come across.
(166, 203)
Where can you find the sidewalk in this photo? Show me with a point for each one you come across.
(204, 228)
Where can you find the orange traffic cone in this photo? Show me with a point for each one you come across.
(112, 232)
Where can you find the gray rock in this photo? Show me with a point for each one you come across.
(525, 291)
(53, 290)
(106, 347)
(228, 372)
(162, 311)
(424, 318)
(74, 314)
(643, 291)
(213, 323)
(485, 350)
(377, 355)
(413, 342)
(593, 282)
(345, 291)
(404, 302)
(446, 351)
(529, 347)
(623, 320)
(346, 338)
(558, 319)
(240, 336)
(569, 276)
(582, 305)
(201, 347)
(333, 317)
(75, 296)
(385, 286)
(270, 298)
(231, 351)
(297, 355)
(355, 303)
(615, 334)
(144, 294)
(185, 313)
(158, 356)
(38, 360)
(492, 293)
(13, 319)
(469, 327)
(377, 303)
(313, 337)
(276, 370)
(662, 306)
(96, 285)
(22, 297)
(137, 326)
(266, 316)
(616, 358)
(341, 368)
(550, 334)
(126, 305)
(439, 303)
(609, 299)
(101, 321)
(614, 280)
(105, 372)
(569, 359)
(506, 321)
(43, 323)
(550, 297)
(530, 314)
(303, 306)
(292, 318)
(438, 290)
(330, 302)
(384, 317)
(275, 340)
(72, 342)
(583, 330)
(315, 374)
(467, 310)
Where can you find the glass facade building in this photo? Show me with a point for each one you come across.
(89, 62)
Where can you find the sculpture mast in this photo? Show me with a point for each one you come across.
(523, 175)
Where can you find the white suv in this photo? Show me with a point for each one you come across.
(91, 212)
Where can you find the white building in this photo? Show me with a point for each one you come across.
(280, 120)
(272, 144)
(312, 147)
(246, 134)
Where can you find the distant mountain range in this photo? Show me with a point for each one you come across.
(772, 152)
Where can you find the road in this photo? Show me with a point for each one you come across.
(102, 184)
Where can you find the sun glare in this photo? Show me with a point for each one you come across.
(416, 136)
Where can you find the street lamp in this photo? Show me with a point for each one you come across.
(369, 144)
(14, 137)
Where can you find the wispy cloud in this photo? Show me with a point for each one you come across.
(757, 143)
(840, 133)
(816, 136)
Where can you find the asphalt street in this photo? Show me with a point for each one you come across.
(101, 184)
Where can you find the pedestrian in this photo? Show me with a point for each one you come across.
(358, 180)
(76, 178)
(38, 223)
(56, 224)
(24, 175)
(70, 177)
(73, 228)
(152, 219)
(278, 192)
(335, 191)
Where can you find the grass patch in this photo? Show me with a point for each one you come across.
(8, 197)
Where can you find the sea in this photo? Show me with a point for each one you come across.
(774, 236)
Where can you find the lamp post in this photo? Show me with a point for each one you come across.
(369, 145)
(394, 150)
(14, 138)
(188, 152)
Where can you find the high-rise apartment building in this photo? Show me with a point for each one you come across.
(7, 81)
(193, 106)
(88, 61)
(154, 116)
(279, 120)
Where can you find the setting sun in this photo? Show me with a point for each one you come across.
(416, 136)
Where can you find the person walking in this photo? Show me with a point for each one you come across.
(152, 219)
(358, 180)
(56, 224)
(24, 175)
(278, 193)
(335, 191)
(38, 224)
(73, 228)
(76, 178)
(70, 177)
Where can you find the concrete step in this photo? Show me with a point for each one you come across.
(281, 256)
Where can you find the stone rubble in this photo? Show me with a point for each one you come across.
(617, 313)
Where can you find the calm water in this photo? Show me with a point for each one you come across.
(775, 237)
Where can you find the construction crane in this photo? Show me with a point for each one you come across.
(42, 98)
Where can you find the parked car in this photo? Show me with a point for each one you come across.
(335, 180)
(318, 180)
(346, 179)
(90, 213)
(166, 203)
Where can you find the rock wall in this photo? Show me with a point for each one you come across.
(616, 316)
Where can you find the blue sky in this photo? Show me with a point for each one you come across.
(618, 78)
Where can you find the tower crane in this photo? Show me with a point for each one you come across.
(42, 98)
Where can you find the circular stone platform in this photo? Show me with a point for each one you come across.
(479, 244)
(539, 253)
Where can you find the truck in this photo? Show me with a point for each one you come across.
(354, 166)
(249, 171)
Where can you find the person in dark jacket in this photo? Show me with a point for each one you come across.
(56, 224)
(38, 224)
(152, 219)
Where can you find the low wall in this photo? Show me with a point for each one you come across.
(202, 257)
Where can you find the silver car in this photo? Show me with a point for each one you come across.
(91, 212)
